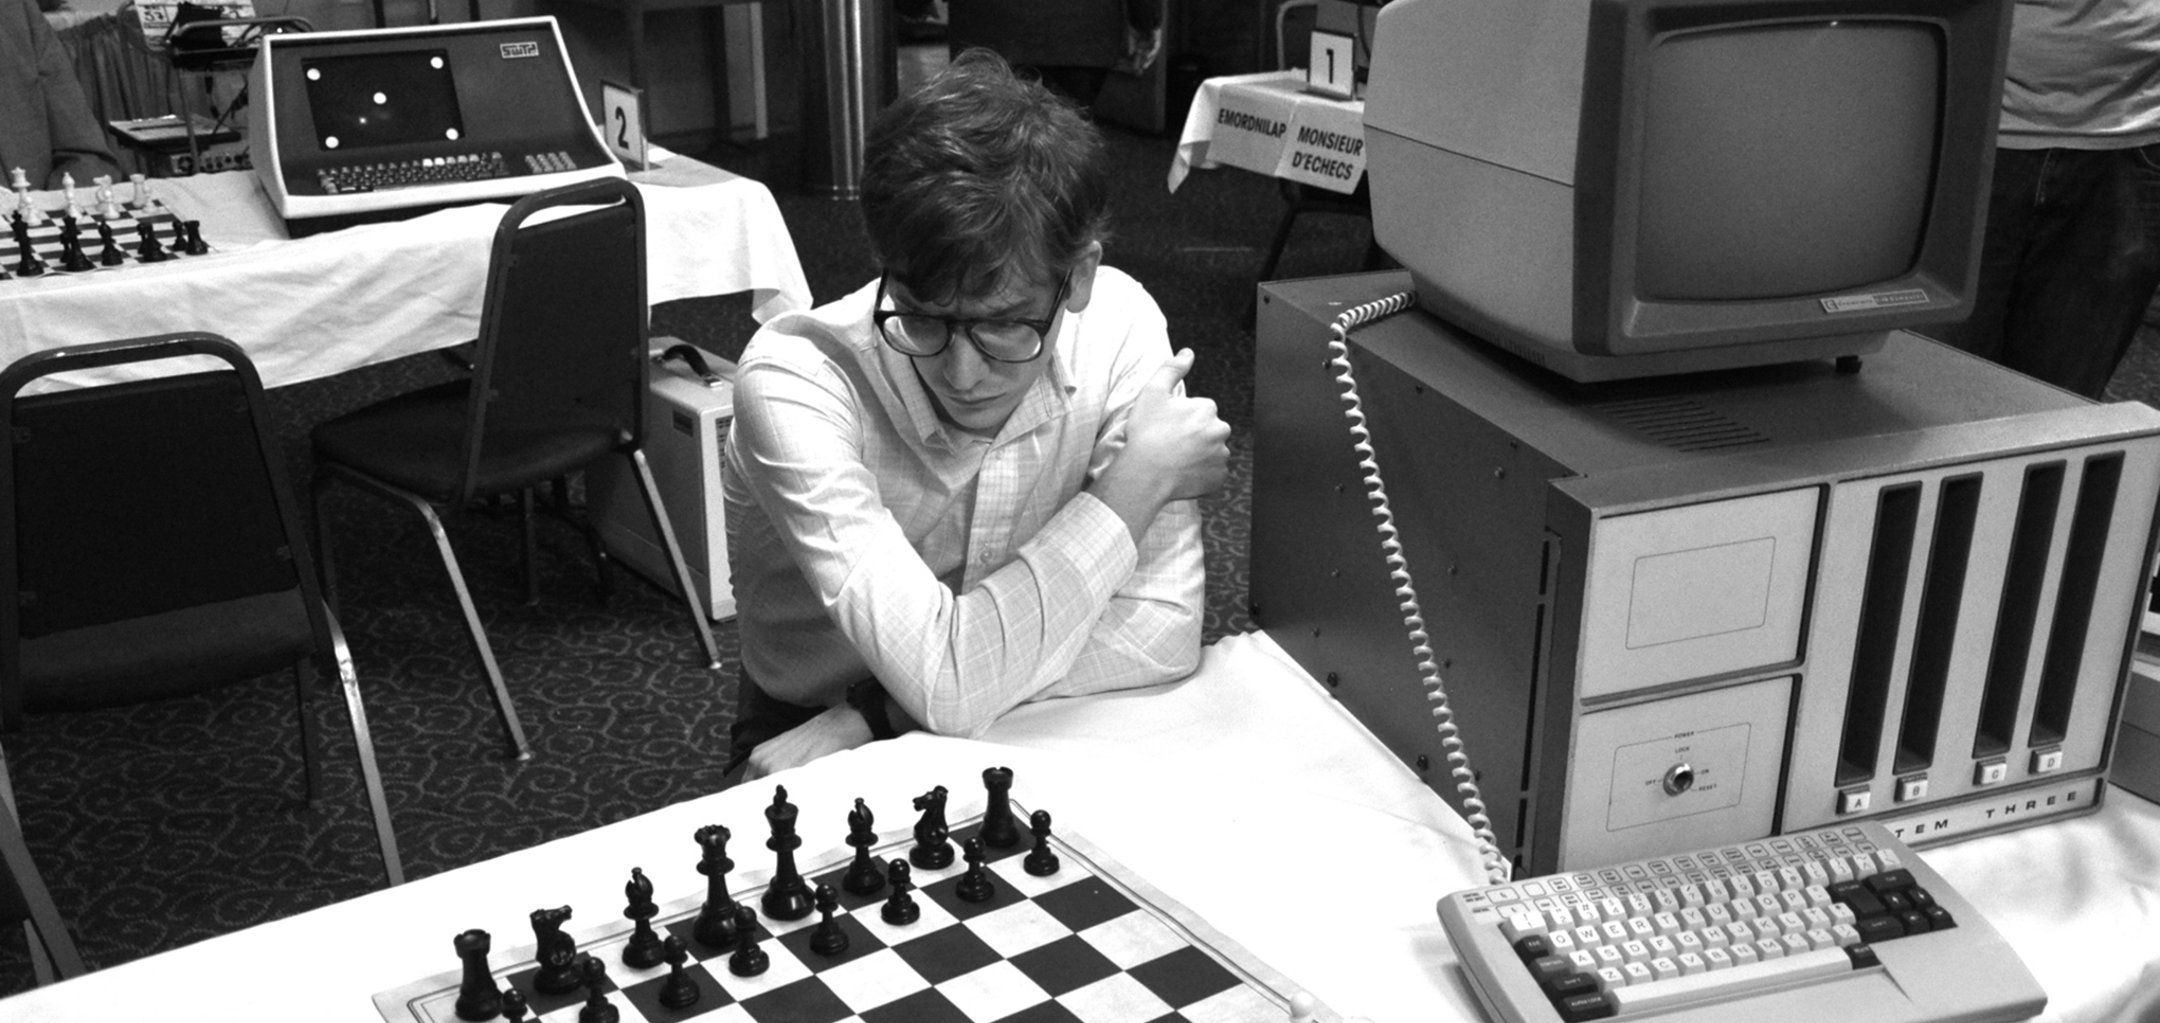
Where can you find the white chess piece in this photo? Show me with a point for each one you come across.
(139, 193)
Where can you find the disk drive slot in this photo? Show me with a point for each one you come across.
(2023, 576)
(2074, 601)
(1941, 595)
(1897, 516)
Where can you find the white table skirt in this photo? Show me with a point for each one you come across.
(1245, 793)
(316, 306)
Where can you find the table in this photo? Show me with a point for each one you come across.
(1244, 792)
(1267, 123)
(317, 306)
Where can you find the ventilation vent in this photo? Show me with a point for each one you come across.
(1680, 423)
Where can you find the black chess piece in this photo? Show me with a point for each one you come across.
(999, 829)
(72, 257)
(900, 907)
(554, 951)
(931, 851)
(828, 939)
(477, 997)
(110, 253)
(787, 897)
(148, 249)
(593, 974)
(680, 991)
(27, 263)
(191, 238)
(975, 885)
(643, 949)
(715, 926)
(513, 1005)
(1042, 861)
(749, 960)
(863, 875)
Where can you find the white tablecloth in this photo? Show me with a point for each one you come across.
(320, 305)
(1245, 793)
(1267, 123)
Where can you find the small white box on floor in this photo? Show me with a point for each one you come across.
(686, 426)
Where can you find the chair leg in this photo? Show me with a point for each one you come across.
(52, 951)
(364, 743)
(310, 736)
(532, 548)
(666, 532)
(325, 565)
(503, 707)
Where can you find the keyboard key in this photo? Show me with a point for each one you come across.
(1591, 1005)
(1731, 982)
(1879, 927)
(1570, 983)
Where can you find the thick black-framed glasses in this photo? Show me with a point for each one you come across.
(1005, 339)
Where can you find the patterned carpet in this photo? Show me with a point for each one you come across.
(161, 826)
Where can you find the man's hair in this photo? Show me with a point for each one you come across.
(979, 175)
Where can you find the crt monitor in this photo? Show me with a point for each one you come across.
(1629, 188)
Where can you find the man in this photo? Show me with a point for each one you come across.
(46, 127)
(969, 484)
(2073, 232)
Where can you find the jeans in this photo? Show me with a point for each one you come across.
(2071, 259)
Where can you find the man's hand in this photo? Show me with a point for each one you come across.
(838, 728)
(1176, 447)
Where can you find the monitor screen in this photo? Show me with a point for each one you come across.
(1828, 194)
(370, 100)
(1626, 188)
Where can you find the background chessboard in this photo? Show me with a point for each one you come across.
(45, 239)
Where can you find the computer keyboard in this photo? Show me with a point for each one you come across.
(1842, 924)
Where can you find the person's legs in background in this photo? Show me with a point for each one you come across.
(2071, 261)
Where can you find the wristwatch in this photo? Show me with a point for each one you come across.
(868, 699)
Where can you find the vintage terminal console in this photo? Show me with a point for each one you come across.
(1678, 612)
(349, 126)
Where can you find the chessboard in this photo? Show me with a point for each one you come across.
(1045, 928)
(127, 229)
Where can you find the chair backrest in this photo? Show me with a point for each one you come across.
(1293, 32)
(563, 329)
(136, 500)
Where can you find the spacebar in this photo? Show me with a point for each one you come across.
(1731, 982)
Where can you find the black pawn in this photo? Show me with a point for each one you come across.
(715, 926)
(597, 1008)
(900, 907)
(477, 997)
(513, 1005)
(931, 851)
(111, 254)
(643, 950)
(787, 897)
(150, 250)
(975, 885)
(999, 829)
(828, 939)
(1041, 861)
(863, 876)
(749, 960)
(679, 991)
(555, 952)
(191, 238)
